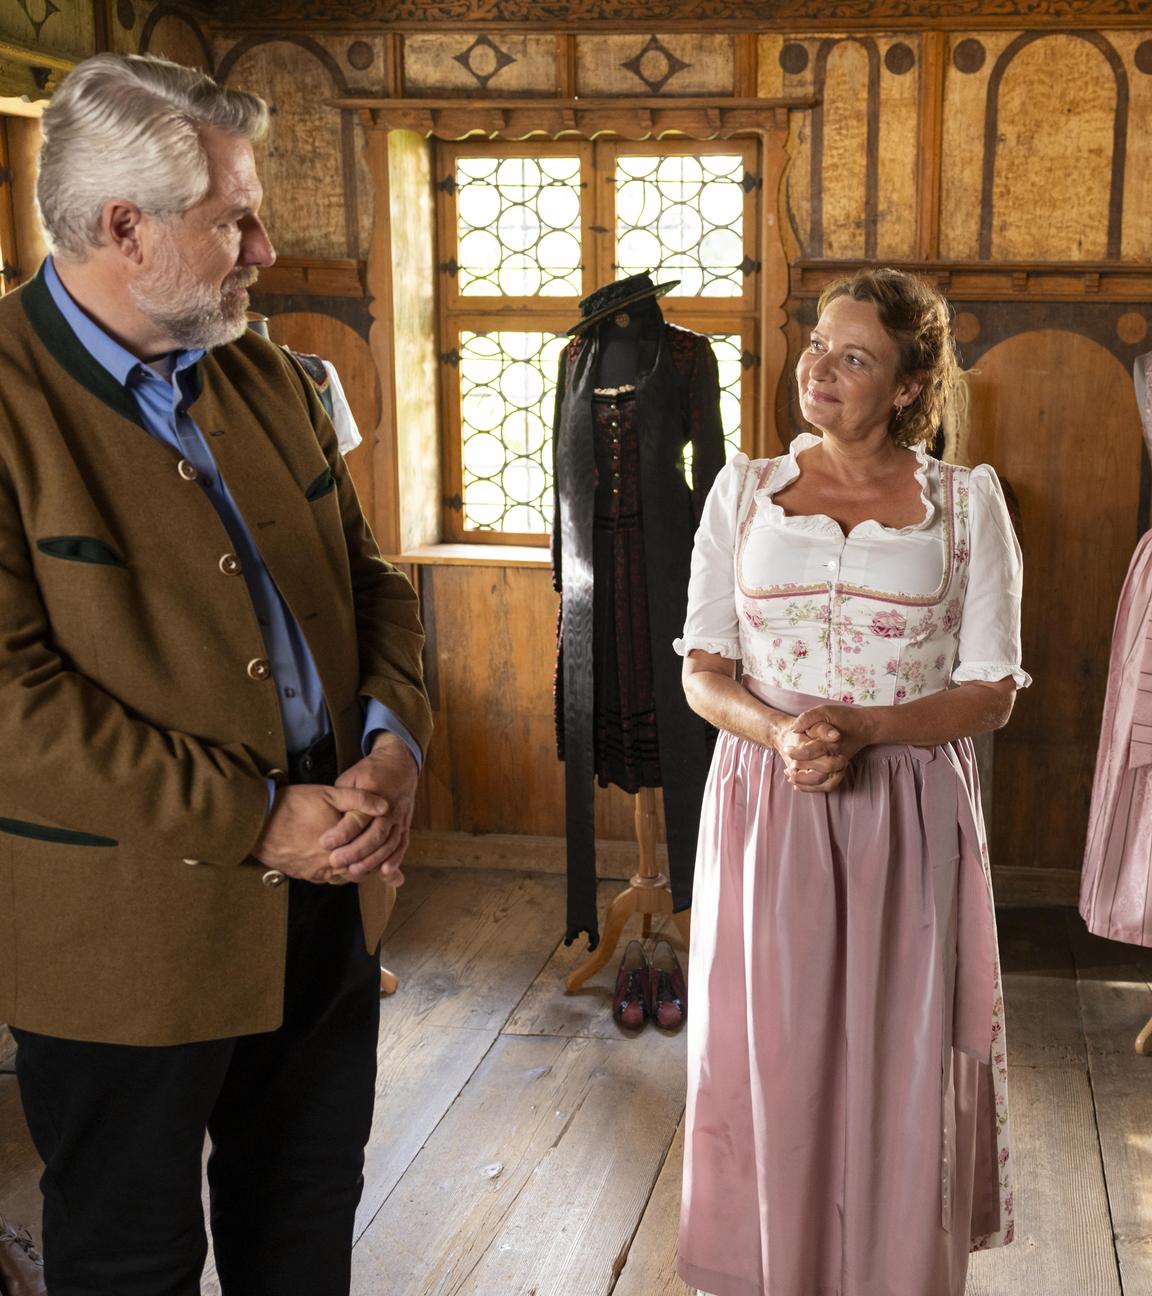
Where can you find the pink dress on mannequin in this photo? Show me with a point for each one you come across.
(1116, 886)
(846, 1131)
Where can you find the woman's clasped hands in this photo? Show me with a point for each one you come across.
(818, 745)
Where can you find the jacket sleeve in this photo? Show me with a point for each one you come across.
(80, 767)
(706, 431)
(389, 634)
(557, 555)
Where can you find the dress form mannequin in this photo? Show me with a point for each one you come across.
(634, 395)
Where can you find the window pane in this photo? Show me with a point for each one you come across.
(518, 226)
(507, 389)
(682, 218)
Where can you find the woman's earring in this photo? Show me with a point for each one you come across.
(899, 413)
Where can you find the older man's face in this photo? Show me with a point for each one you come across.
(194, 285)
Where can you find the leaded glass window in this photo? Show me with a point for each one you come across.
(526, 231)
(683, 217)
(518, 226)
(507, 385)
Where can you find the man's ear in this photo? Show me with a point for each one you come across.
(120, 223)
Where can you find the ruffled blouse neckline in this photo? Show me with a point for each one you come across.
(788, 469)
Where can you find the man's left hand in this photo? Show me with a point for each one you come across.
(359, 845)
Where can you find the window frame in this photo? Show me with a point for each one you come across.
(458, 313)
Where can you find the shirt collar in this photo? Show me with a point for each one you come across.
(101, 346)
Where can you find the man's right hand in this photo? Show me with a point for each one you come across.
(301, 815)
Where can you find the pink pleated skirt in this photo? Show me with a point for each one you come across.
(847, 1123)
(1116, 885)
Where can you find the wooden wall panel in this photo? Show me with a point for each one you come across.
(65, 28)
(492, 766)
(639, 63)
(470, 61)
(23, 139)
(177, 37)
(301, 161)
(1053, 133)
(413, 324)
(899, 151)
(1055, 414)
(1136, 53)
(840, 188)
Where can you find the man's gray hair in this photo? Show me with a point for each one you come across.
(128, 126)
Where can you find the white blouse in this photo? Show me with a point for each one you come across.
(878, 616)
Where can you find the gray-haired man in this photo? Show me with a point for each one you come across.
(210, 707)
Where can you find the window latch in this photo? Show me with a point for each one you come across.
(450, 267)
(751, 182)
(453, 502)
(447, 185)
(450, 357)
(748, 360)
(748, 266)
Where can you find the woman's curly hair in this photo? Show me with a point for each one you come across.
(918, 319)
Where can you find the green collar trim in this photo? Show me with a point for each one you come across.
(54, 331)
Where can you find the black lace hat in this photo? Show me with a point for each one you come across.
(616, 296)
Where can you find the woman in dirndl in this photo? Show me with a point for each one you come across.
(847, 1118)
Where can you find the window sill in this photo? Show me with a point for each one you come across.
(475, 555)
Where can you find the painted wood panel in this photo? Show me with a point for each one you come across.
(177, 37)
(61, 27)
(1055, 116)
(639, 63)
(471, 61)
(301, 161)
(1054, 413)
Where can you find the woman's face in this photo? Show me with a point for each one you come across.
(848, 375)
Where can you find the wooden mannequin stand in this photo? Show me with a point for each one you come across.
(648, 893)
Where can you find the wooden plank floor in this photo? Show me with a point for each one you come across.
(525, 1146)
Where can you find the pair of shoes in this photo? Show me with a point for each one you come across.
(21, 1265)
(650, 985)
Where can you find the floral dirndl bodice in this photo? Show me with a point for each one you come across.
(879, 616)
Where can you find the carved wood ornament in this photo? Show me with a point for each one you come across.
(693, 14)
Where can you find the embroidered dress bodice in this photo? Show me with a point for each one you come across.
(879, 616)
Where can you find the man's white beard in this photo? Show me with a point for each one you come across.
(195, 315)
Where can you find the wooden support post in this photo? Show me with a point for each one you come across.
(648, 893)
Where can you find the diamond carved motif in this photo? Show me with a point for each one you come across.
(483, 59)
(655, 64)
(38, 12)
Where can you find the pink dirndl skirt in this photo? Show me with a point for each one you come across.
(847, 1125)
(1116, 885)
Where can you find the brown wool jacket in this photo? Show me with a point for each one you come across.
(134, 740)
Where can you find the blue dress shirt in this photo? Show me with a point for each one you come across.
(163, 405)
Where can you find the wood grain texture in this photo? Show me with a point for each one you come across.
(176, 37)
(650, 1269)
(534, 1180)
(1066, 80)
(901, 155)
(601, 64)
(841, 188)
(1116, 999)
(1040, 994)
(448, 63)
(301, 160)
(1031, 399)
(23, 135)
(1063, 1234)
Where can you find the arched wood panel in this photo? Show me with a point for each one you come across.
(175, 36)
(333, 340)
(301, 162)
(1055, 414)
(845, 145)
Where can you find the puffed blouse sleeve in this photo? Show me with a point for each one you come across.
(989, 647)
(712, 624)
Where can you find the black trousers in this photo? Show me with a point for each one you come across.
(121, 1132)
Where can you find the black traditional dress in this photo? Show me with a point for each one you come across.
(622, 549)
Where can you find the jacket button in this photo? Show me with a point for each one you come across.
(230, 565)
(259, 669)
(187, 469)
(189, 861)
(277, 775)
(273, 878)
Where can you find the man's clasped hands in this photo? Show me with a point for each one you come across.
(351, 830)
